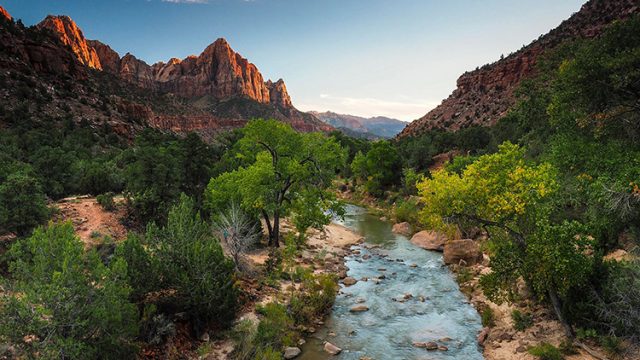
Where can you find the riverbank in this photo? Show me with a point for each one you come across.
(499, 338)
(324, 253)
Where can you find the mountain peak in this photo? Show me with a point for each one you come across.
(70, 34)
(5, 14)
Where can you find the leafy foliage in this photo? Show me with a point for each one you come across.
(278, 168)
(379, 169)
(65, 301)
(188, 260)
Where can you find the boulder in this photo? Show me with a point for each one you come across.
(291, 352)
(429, 240)
(359, 308)
(403, 228)
(331, 349)
(466, 252)
(348, 281)
(482, 336)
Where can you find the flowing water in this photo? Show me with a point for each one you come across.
(436, 311)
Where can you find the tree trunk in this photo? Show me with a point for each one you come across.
(269, 228)
(276, 228)
(557, 308)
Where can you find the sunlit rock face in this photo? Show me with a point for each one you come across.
(233, 88)
(69, 34)
(484, 95)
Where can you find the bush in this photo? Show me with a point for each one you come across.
(275, 330)
(407, 211)
(190, 261)
(22, 203)
(521, 321)
(106, 201)
(488, 317)
(69, 305)
(546, 351)
(314, 299)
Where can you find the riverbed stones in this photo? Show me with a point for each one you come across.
(348, 281)
(291, 352)
(403, 228)
(429, 240)
(359, 308)
(331, 349)
(466, 252)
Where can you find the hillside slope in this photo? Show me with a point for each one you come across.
(485, 95)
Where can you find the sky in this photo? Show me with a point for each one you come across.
(396, 58)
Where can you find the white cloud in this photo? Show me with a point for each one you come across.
(368, 107)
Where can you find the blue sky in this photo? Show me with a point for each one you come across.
(397, 58)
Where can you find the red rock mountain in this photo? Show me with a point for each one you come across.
(485, 95)
(219, 88)
(218, 71)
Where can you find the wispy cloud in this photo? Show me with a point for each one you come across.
(187, 1)
(368, 107)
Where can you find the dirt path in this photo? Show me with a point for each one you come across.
(91, 222)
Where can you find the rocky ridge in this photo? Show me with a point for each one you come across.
(485, 95)
(215, 91)
(379, 126)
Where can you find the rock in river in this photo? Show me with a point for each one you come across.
(429, 240)
(348, 281)
(359, 308)
(331, 349)
(291, 352)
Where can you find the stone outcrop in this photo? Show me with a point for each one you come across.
(403, 228)
(429, 240)
(70, 35)
(485, 95)
(465, 252)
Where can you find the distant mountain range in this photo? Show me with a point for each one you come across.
(374, 127)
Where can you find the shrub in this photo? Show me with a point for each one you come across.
(521, 321)
(488, 317)
(22, 203)
(70, 305)
(314, 298)
(407, 211)
(106, 201)
(190, 261)
(274, 330)
(546, 351)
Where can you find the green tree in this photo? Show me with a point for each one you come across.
(379, 169)
(65, 302)
(511, 199)
(278, 166)
(22, 203)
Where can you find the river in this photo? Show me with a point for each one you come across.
(417, 300)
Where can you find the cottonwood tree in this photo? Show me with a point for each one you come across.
(511, 199)
(279, 164)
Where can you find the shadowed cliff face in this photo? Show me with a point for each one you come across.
(484, 95)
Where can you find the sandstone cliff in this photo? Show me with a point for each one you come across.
(216, 75)
(485, 95)
(69, 34)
